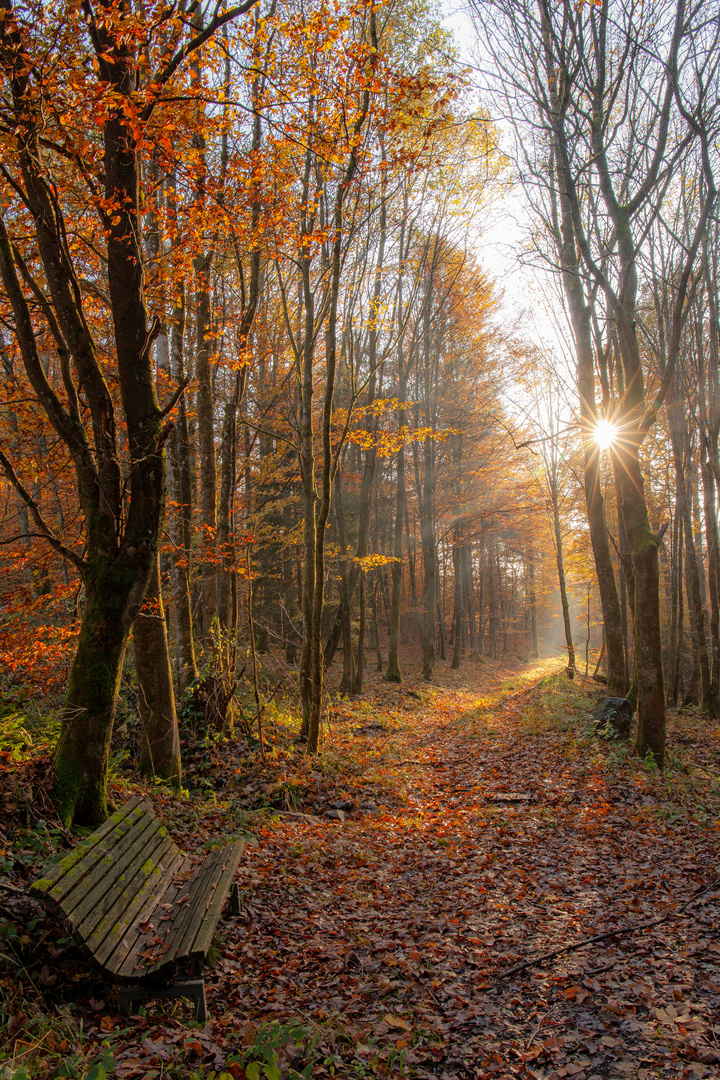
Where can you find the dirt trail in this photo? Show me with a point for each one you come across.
(490, 830)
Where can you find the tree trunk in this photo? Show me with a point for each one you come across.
(677, 671)
(648, 636)
(713, 546)
(180, 523)
(458, 617)
(122, 534)
(440, 614)
(360, 660)
(376, 627)
(594, 502)
(673, 641)
(493, 599)
(206, 442)
(226, 554)
(83, 752)
(469, 595)
(348, 674)
(481, 599)
(393, 673)
(535, 652)
(560, 561)
(427, 536)
(683, 507)
(160, 744)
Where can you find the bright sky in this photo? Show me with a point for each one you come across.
(529, 290)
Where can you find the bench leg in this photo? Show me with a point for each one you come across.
(193, 988)
(200, 1003)
(235, 898)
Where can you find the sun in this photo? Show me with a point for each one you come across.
(605, 434)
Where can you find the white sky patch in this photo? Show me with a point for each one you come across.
(504, 246)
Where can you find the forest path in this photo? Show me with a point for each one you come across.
(490, 830)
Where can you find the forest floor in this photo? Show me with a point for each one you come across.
(484, 827)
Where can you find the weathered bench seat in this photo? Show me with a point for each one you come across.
(138, 905)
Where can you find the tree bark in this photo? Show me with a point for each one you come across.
(180, 495)
(469, 596)
(560, 562)
(458, 616)
(713, 548)
(360, 659)
(594, 502)
(427, 510)
(160, 744)
(683, 508)
(348, 674)
(535, 652)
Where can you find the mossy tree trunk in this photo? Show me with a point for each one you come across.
(83, 751)
(160, 745)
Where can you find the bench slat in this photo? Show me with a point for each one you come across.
(182, 934)
(146, 907)
(102, 878)
(63, 874)
(216, 901)
(98, 921)
(135, 965)
(73, 886)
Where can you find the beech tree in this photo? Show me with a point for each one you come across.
(81, 89)
(608, 176)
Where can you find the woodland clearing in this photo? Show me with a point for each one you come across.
(483, 827)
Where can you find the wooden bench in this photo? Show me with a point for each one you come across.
(138, 906)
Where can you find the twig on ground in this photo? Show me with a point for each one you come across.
(588, 972)
(412, 761)
(312, 819)
(541, 1021)
(621, 931)
(16, 892)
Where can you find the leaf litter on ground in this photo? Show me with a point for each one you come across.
(480, 828)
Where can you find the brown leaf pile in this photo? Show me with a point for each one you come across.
(500, 838)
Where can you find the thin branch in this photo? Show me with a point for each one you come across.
(176, 396)
(619, 932)
(161, 78)
(37, 517)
